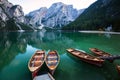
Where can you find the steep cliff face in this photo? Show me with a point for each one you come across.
(57, 15)
(11, 16)
(34, 18)
(4, 6)
(60, 14)
(17, 13)
(99, 16)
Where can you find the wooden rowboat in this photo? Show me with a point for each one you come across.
(99, 52)
(86, 57)
(118, 68)
(36, 61)
(52, 61)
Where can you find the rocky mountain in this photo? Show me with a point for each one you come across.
(34, 18)
(58, 15)
(101, 15)
(11, 17)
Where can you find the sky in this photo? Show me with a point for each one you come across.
(31, 5)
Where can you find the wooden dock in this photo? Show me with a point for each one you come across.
(46, 76)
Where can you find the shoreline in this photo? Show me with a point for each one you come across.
(102, 32)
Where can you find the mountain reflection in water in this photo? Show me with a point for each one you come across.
(16, 48)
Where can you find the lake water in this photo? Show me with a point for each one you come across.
(16, 48)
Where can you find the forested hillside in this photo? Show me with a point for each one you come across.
(99, 16)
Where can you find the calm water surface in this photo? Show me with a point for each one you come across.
(16, 49)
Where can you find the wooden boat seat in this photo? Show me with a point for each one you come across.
(39, 53)
(77, 53)
(100, 52)
(52, 52)
(35, 63)
(53, 61)
(70, 50)
(52, 65)
(106, 55)
(95, 59)
(85, 56)
(52, 56)
(36, 56)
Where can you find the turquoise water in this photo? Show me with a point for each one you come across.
(16, 49)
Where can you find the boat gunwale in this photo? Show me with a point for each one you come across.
(95, 62)
(99, 54)
(57, 60)
(86, 55)
(118, 68)
(42, 62)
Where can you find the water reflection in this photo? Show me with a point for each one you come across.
(14, 43)
(9, 48)
(87, 71)
(108, 35)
